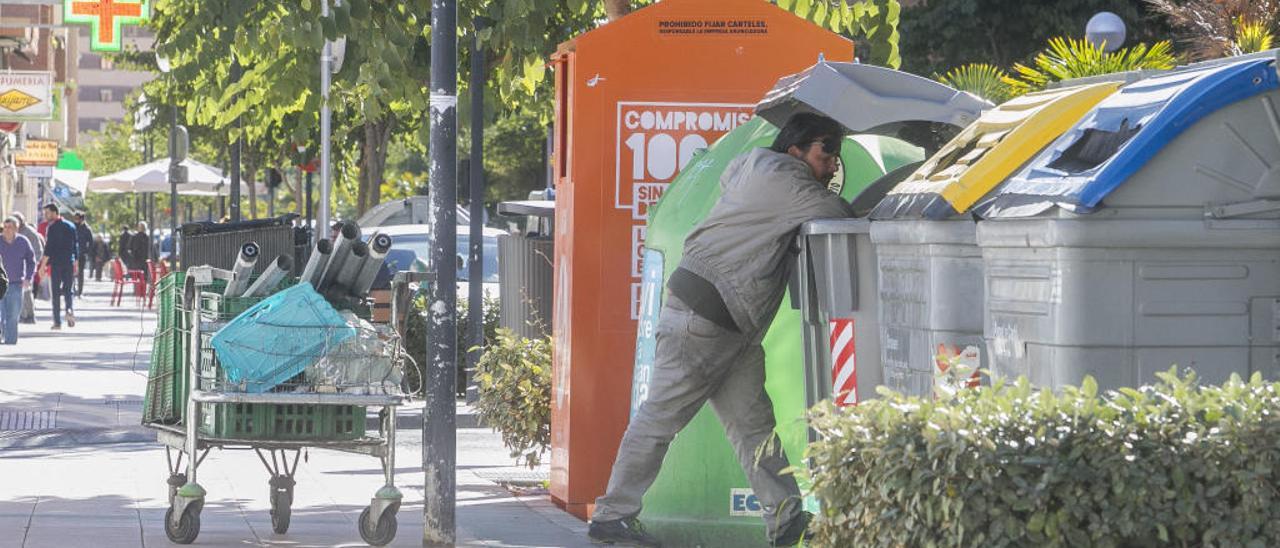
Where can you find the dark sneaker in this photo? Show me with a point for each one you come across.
(71, 319)
(56, 327)
(797, 530)
(625, 532)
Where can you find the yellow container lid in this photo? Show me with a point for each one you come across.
(991, 149)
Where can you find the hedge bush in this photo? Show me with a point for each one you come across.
(1171, 464)
(514, 380)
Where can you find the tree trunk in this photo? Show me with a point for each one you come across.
(373, 162)
(616, 9)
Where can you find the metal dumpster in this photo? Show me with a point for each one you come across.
(217, 244)
(930, 281)
(835, 277)
(1146, 236)
(525, 272)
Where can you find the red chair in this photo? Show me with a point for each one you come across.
(123, 278)
(158, 270)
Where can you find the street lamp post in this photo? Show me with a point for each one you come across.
(304, 168)
(439, 418)
(163, 63)
(326, 71)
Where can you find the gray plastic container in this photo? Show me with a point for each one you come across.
(835, 279)
(931, 297)
(1178, 263)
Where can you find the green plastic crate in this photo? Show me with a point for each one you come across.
(163, 400)
(282, 422)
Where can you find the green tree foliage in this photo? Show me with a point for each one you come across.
(873, 24)
(108, 151)
(1068, 58)
(1175, 463)
(938, 35)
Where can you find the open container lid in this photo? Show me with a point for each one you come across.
(872, 99)
(1122, 134)
(988, 151)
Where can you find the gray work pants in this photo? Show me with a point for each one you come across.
(699, 361)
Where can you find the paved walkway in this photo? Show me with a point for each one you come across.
(76, 470)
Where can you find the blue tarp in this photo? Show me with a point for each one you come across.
(1121, 135)
(278, 338)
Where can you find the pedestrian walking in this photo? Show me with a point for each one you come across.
(122, 246)
(84, 243)
(720, 301)
(99, 256)
(37, 245)
(60, 252)
(17, 258)
(140, 250)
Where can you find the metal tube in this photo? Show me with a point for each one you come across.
(173, 186)
(439, 418)
(346, 278)
(326, 62)
(475, 261)
(271, 277)
(348, 235)
(235, 156)
(313, 230)
(379, 244)
(320, 255)
(243, 270)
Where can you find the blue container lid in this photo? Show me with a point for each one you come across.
(1119, 136)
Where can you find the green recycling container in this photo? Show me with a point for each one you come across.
(702, 497)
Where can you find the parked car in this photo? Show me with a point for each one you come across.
(411, 250)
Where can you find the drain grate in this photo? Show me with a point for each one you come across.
(27, 421)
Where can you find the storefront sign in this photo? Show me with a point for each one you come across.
(26, 95)
(38, 153)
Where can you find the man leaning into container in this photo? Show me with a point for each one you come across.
(720, 301)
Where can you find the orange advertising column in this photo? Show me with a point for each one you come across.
(635, 100)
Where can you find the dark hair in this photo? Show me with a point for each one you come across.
(52, 207)
(805, 128)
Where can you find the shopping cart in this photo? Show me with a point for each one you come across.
(322, 408)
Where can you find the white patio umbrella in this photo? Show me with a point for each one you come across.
(202, 180)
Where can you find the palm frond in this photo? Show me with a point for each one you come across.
(1068, 58)
(981, 79)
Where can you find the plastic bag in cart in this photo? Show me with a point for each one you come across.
(363, 364)
(278, 338)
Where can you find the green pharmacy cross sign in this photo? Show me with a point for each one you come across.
(106, 17)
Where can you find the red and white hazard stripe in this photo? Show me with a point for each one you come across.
(844, 363)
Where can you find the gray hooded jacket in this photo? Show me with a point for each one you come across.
(743, 246)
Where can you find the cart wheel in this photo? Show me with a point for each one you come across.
(280, 519)
(281, 501)
(383, 534)
(188, 526)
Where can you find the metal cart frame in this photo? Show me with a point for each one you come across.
(377, 523)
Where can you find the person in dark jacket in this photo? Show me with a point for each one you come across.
(122, 246)
(60, 253)
(140, 249)
(28, 314)
(720, 302)
(84, 244)
(99, 256)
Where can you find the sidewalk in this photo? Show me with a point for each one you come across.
(78, 471)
